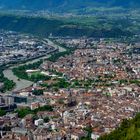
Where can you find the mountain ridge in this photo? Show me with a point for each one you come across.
(65, 5)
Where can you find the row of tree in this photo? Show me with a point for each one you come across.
(23, 112)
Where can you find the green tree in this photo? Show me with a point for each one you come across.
(46, 119)
(2, 112)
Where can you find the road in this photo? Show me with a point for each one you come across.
(21, 84)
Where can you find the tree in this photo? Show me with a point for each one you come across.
(2, 112)
(37, 92)
(46, 119)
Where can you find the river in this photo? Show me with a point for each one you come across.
(21, 84)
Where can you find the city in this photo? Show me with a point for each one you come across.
(69, 70)
(96, 86)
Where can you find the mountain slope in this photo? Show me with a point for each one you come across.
(65, 5)
(128, 130)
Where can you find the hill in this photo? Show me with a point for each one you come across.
(65, 27)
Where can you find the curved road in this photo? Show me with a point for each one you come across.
(21, 84)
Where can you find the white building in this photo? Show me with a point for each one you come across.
(39, 122)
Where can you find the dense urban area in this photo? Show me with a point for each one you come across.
(78, 88)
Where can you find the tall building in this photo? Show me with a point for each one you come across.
(2, 100)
